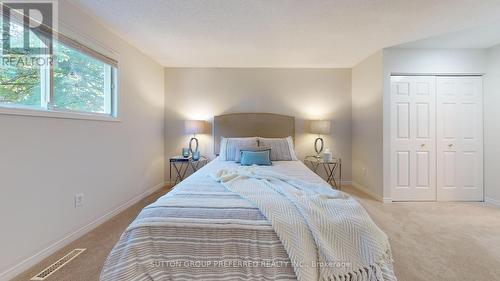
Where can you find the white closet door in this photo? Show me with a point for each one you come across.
(460, 139)
(413, 133)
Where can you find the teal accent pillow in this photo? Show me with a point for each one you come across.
(262, 157)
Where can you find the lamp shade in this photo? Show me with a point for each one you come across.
(195, 126)
(321, 127)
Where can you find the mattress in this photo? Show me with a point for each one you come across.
(202, 231)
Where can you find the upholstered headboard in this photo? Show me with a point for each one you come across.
(267, 125)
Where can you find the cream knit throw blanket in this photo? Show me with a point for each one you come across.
(327, 234)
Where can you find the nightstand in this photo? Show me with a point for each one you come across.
(332, 169)
(182, 164)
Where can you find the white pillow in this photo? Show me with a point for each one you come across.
(281, 148)
(230, 147)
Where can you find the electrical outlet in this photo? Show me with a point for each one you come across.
(364, 171)
(78, 200)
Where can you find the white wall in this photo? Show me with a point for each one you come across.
(201, 93)
(434, 61)
(492, 126)
(44, 162)
(367, 125)
(422, 61)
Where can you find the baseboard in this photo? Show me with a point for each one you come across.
(38, 257)
(386, 200)
(491, 201)
(367, 191)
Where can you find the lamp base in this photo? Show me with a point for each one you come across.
(320, 149)
(191, 145)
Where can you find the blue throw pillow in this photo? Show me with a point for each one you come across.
(249, 157)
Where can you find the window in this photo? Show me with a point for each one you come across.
(79, 79)
(19, 82)
(81, 82)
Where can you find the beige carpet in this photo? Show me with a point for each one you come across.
(430, 241)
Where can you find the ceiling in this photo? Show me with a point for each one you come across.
(281, 33)
(479, 37)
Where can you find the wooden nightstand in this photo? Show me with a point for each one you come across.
(332, 169)
(182, 164)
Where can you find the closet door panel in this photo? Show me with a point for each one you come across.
(423, 166)
(423, 121)
(449, 171)
(403, 168)
(459, 139)
(448, 113)
(413, 154)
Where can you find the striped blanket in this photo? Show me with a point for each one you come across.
(202, 231)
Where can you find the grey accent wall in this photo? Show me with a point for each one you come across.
(201, 93)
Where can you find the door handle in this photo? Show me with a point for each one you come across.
(450, 145)
(422, 145)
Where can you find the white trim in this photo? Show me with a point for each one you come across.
(371, 193)
(108, 91)
(346, 182)
(41, 255)
(387, 200)
(5, 110)
(436, 74)
(491, 201)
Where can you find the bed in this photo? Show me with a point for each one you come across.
(206, 230)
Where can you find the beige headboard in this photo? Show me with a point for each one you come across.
(266, 125)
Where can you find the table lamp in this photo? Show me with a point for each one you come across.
(320, 127)
(194, 127)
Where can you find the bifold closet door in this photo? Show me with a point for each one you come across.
(413, 138)
(460, 138)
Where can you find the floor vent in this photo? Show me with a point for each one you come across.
(58, 264)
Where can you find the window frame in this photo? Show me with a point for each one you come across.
(47, 109)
